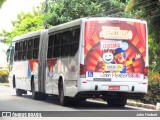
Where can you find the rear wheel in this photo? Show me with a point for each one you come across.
(75, 102)
(62, 98)
(118, 102)
(35, 95)
(14, 82)
(18, 92)
(43, 96)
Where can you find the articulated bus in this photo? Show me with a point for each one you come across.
(99, 57)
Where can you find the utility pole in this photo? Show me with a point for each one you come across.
(45, 12)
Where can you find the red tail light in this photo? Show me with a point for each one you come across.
(146, 71)
(83, 69)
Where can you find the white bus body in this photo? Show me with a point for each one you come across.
(86, 58)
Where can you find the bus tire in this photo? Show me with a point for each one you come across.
(14, 82)
(62, 98)
(35, 94)
(117, 102)
(18, 92)
(74, 102)
(43, 96)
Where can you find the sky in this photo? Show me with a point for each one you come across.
(11, 8)
(8, 13)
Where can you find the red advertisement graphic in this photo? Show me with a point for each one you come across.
(115, 47)
(34, 67)
(51, 63)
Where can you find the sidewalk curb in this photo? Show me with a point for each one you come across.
(158, 106)
(137, 104)
(4, 84)
(148, 106)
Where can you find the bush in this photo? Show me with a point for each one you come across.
(153, 95)
(4, 76)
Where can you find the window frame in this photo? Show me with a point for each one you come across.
(62, 42)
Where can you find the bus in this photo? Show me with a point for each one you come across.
(99, 57)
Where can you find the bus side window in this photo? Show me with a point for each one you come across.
(50, 46)
(74, 44)
(20, 46)
(66, 36)
(51, 40)
(36, 48)
(50, 52)
(56, 51)
(24, 53)
(58, 38)
(74, 48)
(16, 51)
(19, 55)
(57, 45)
(30, 44)
(35, 54)
(29, 54)
(30, 49)
(65, 43)
(16, 46)
(25, 45)
(36, 43)
(16, 56)
(64, 50)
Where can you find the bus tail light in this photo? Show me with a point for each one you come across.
(83, 69)
(145, 72)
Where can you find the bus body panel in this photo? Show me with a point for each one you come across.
(115, 56)
(23, 68)
(65, 67)
(23, 72)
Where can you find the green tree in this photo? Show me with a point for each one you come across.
(65, 10)
(1, 2)
(150, 11)
(25, 22)
(60, 11)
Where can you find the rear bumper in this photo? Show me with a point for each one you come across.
(98, 89)
(108, 95)
(124, 86)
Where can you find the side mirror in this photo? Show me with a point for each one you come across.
(8, 54)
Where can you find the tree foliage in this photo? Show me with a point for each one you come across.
(153, 95)
(65, 10)
(150, 11)
(25, 22)
(61, 11)
(1, 2)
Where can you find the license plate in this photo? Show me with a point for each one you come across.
(114, 88)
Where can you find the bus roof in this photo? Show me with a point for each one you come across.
(28, 35)
(113, 18)
(80, 20)
(65, 25)
(74, 23)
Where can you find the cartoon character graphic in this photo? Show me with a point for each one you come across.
(120, 57)
(107, 58)
(115, 61)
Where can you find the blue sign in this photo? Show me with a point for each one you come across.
(90, 74)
